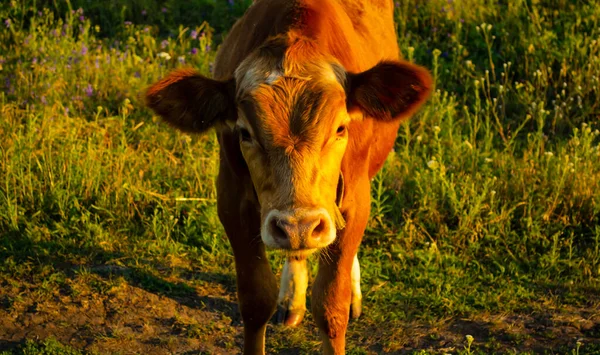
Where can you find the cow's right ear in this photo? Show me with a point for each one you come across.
(191, 102)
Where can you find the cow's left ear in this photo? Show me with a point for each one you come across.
(191, 102)
(389, 90)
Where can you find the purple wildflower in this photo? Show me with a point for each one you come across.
(81, 18)
(84, 50)
(164, 44)
(39, 13)
(194, 34)
(97, 64)
(43, 99)
(144, 12)
(434, 29)
(127, 23)
(137, 74)
(194, 51)
(66, 111)
(181, 59)
(231, 2)
(34, 60)
(7, 23)
(89, 90)
(146, 29)
(462, 20)
(207, 48)
(164, 10)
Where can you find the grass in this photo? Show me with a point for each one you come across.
(484, 219)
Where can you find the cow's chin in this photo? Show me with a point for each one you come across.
(300, 254)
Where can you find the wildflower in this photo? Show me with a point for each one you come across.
(163, 10)
(462, 20)
(165, 55)
(181, 59)
(419, 138)
(7, 23)
(127, 23)
(137, 74)
(84, 50)
(66, 111)
(144, 12)
(493, 192)
(89, 90)
(549, 154)
(207, 48)
(230, 2)
(432, 164)
(194, 51)
(81, 18)
(194, 34)
(43, 100)
(436, 129)
(164, 44)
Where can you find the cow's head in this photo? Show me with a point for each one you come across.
(290, 107)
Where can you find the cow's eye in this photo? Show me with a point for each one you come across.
(341, 130)
(245, 135)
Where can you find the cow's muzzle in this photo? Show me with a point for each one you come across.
(298, 229)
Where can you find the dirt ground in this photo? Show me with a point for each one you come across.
(128, 319)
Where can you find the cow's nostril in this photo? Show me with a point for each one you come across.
(276, 231)
(319, 229)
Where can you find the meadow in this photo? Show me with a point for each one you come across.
(485, 228)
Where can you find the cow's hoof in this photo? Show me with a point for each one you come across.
(355, 308)
(288, 317)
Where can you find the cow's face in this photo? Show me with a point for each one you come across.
(293, 133)
(291, 119)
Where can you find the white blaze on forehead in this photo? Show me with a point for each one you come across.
(273, 76)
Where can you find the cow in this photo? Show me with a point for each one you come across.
(306, 99)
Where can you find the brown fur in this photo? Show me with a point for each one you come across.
(293, 74)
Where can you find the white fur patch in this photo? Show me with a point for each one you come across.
(294, 282)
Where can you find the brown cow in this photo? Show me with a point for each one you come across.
(307, 98)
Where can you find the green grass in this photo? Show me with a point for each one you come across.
(485, 218)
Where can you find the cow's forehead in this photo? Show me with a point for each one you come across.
(287, 57)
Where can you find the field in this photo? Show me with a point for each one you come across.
(485, 228)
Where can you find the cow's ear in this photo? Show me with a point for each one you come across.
(191, 102)
(389, 90)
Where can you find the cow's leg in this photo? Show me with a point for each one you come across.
(356, 303)
(256, 284)
(257, 292)
(291, 304)
(332, 290)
